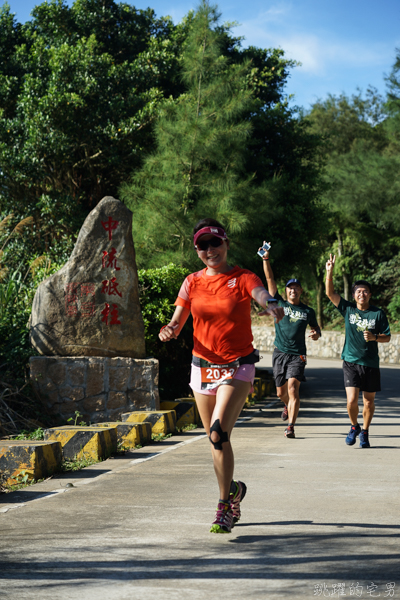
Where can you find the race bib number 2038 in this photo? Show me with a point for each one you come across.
(213, 375)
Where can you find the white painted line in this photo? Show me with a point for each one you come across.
(42, 496)
(179, 445)
(80, 482)
(4, 510)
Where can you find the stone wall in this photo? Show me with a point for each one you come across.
(330, 345)
(100, 388)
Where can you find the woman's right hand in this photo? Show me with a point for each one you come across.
(168, 332)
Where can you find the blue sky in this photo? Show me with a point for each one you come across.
(342, 44)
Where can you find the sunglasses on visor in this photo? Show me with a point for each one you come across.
(204, 244)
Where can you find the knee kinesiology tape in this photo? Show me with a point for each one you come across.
(223, 435)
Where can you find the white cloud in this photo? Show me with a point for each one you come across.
(317, 52)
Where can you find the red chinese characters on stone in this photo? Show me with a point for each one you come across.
(79, 296)
(110, 287)
(71, 299)
(109, 226)
(110, 260)
(88, 306)
(113, 314)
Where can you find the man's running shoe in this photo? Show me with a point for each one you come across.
(223, 521)
(284, 415)
(364, 441)
(235, 498)
(355, 430)
(289, 431)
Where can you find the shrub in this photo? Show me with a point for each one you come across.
(394, 307)
(158, 289)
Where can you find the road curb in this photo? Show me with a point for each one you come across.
(33, 458)
(84, 442)
(186, 411)
(130, 435)
(161, 421)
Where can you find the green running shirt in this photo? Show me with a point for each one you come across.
(356, 349)
(290, 332)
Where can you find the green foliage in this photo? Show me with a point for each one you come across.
(198, 165)
(79, 89)
(20, 276)
(229, 148)
(121, 449)
(392, 106)
(78, 415)
(22, 480)
(189, 427)
(361, 195)
(77, 464)
(160, 437)
(394, 307)
(36, 434)
(158, 289)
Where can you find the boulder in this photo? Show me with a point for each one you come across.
(91, 306)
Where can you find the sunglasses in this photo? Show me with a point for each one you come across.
(214, 242)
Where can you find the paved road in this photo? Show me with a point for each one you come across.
(319, 519)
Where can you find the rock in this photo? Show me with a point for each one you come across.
(91, 306)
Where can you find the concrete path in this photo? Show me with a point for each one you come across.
(319, 519)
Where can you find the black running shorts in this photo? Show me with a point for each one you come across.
(367, 379)
(286, 366)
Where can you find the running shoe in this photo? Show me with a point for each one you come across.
(364, 441)
(289, 431)
(284, 415)
(223, 521)
(235, 498)
(355, 430)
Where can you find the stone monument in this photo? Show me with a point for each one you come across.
(87, 325)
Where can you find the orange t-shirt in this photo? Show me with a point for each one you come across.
(220, 306)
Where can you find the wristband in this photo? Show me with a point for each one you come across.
(376, 336)
(265, 258)
(328, 279)
(272, 300)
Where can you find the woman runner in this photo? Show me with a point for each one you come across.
(222, 375)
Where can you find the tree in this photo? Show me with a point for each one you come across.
(198, 166)
(79, 89)
(390, 267)
(228, 147)
(392, 106)
(361, 195)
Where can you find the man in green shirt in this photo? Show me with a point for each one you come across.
(365, 327)
(289, 358)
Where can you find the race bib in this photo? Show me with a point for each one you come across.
(213, 375)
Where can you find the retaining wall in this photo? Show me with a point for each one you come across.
(100, 388)
(330, 345)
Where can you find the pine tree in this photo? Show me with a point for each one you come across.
(198, 168)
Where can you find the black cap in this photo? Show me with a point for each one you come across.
(293, 281)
